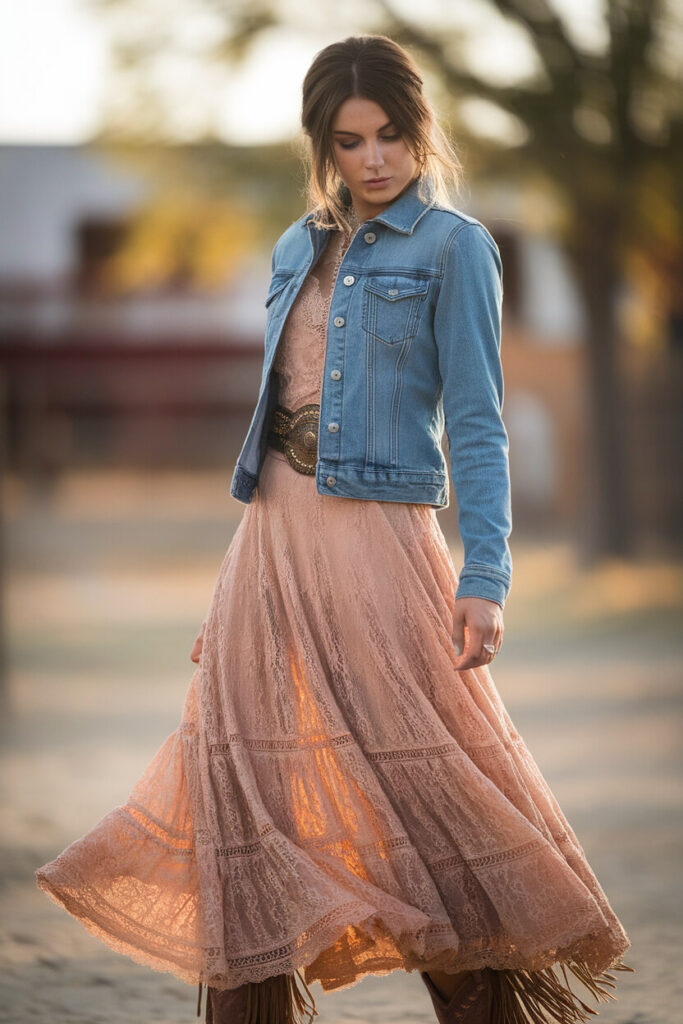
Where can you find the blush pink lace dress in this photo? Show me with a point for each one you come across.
(337, 799)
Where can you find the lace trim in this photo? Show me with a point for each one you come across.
(272, 746)
(347, 845)
(500, 857)
(409, 755)
(283, 952)
(490, 751)
(144, 825)
(144, 815)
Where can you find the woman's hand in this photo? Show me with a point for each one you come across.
(476, 621)
(196, 651)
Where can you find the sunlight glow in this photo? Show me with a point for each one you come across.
(55, 65)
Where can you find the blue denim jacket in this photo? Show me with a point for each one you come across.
(413, 346)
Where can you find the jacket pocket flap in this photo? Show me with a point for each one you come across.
(395, 288)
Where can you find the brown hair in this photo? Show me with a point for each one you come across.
(373, 67)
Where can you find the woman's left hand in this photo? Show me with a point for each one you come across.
(476, 621)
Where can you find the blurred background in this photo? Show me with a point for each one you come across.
(150, 156)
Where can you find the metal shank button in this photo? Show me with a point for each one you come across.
(339, 321)
(349, 279)
(331, 481)
(333, 427)
(370, 237)
(335, 374)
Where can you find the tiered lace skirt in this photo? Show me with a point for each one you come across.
(338, 797)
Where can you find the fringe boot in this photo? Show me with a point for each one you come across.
(470, 1004)
(282, 999)
(537, 997)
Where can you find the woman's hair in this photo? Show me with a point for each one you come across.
(376, 68)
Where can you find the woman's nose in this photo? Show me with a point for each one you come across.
(374, 158)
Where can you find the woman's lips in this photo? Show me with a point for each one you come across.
(377, 182)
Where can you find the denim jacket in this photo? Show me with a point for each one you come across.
(413, 347)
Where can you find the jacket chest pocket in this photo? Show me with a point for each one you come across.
(392, 307)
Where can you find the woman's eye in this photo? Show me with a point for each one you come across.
(385, 138)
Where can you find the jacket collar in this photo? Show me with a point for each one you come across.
(404, 213)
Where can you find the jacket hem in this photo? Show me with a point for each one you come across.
(382, 484)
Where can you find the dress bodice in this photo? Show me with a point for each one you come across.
(300, 356)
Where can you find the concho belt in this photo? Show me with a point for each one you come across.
(296, 434)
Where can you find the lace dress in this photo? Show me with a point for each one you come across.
(337, 798)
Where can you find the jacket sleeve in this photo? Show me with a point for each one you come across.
(467, 329)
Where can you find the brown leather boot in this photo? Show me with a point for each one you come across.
(282, 999)
(470, 1004)
(226, 1006)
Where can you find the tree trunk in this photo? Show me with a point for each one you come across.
(609, 520)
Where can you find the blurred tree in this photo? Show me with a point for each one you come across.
(602, 126)
(180, 240)
(212, 203)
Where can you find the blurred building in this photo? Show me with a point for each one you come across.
(168, 376)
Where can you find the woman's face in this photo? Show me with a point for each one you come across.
(366, 146)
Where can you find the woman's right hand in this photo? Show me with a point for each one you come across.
(476, 621)
(196, 651)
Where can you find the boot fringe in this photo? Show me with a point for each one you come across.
(283, 999)
(276, 1000)
(536, 997)
(517, 996)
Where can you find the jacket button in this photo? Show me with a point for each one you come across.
(349, 279)
(331, 481)
(370, 237)
(333, 427)
(339, 321)
(335, 374)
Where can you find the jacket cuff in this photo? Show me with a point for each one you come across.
(242, 485)
(492, 584)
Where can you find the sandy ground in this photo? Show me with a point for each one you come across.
(107, 583)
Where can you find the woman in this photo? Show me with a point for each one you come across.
(346, 793)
